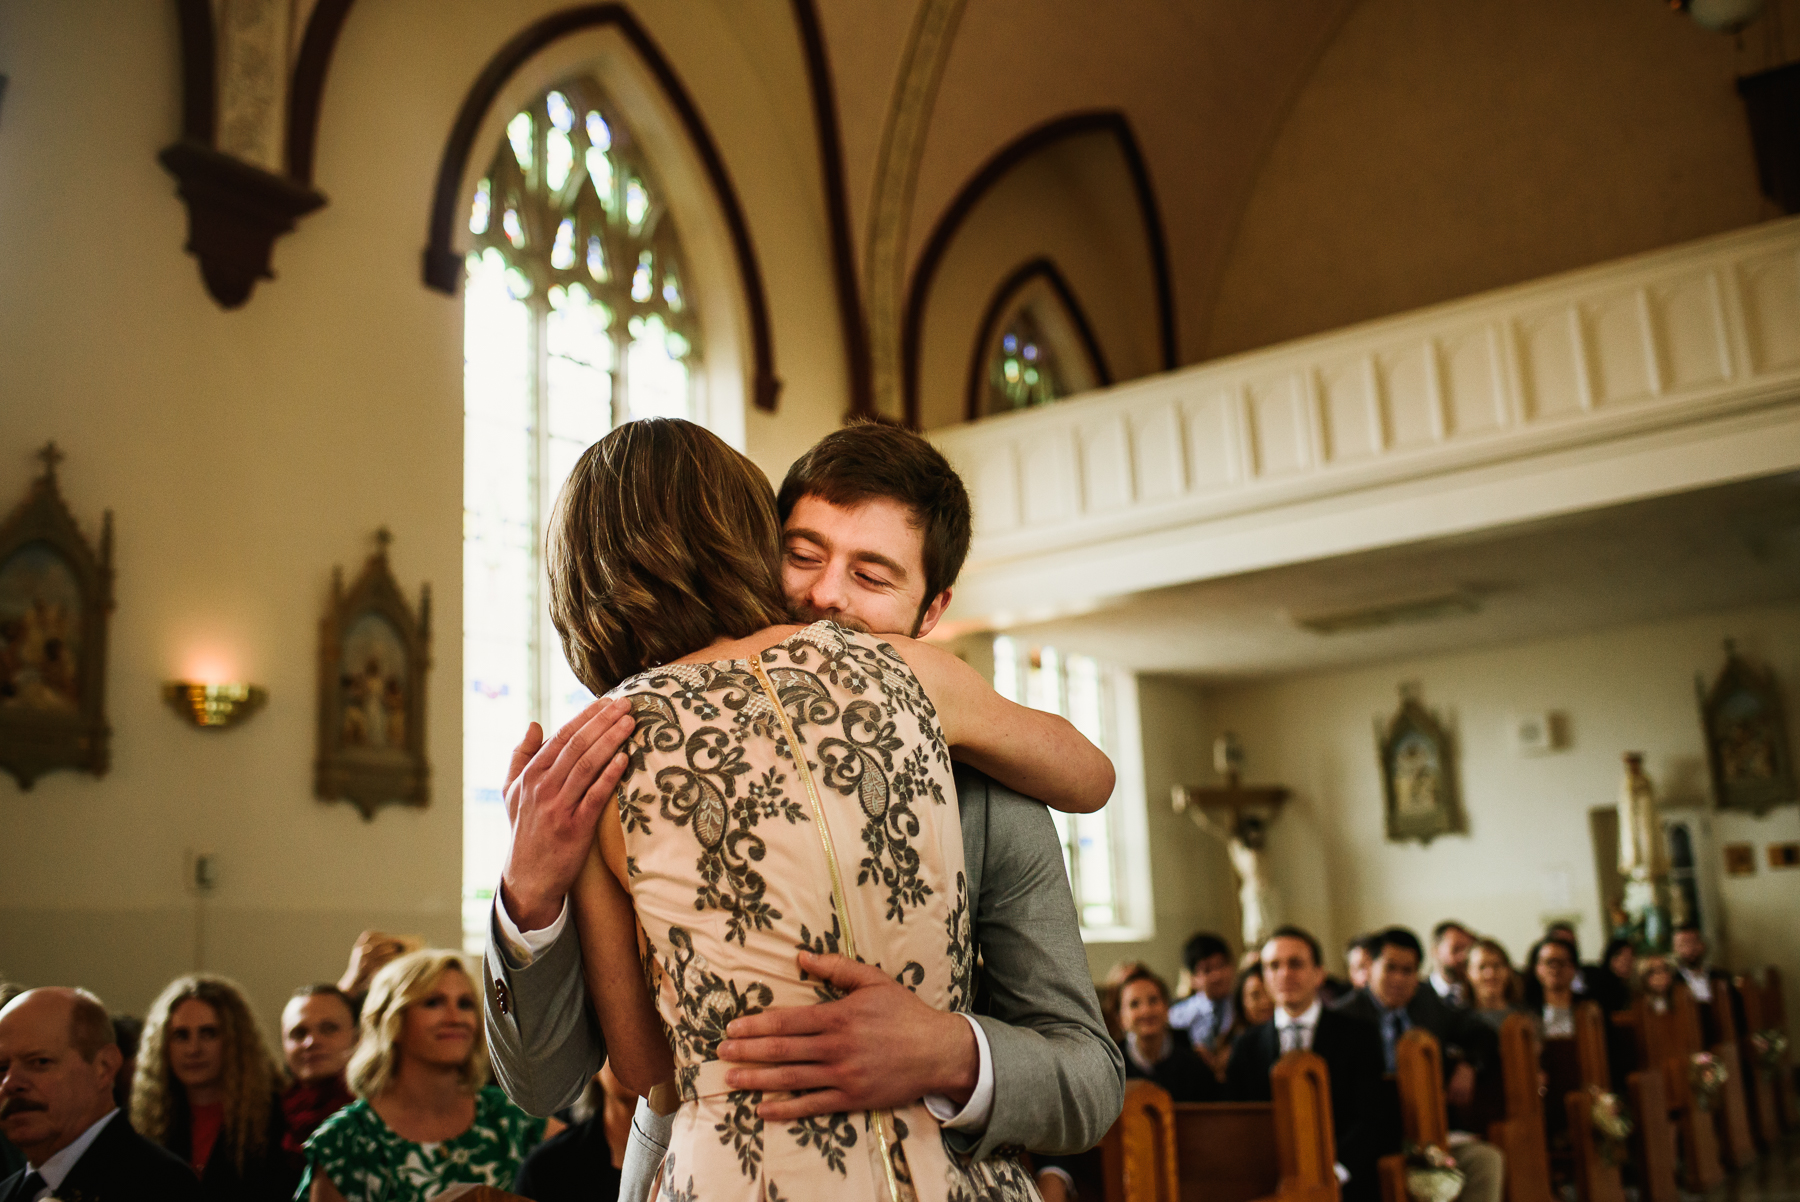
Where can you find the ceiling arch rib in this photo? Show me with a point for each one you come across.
(1109, 125)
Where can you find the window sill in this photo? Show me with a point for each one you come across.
(1115, 934)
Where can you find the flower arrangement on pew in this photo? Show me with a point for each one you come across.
(1707, 1075)
(1431, 1174)
(1770, 1046)
(1612, 1128)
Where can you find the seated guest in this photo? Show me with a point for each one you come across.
(1584, 973)
(1496, 988)
(1613, 976)
(1153, 1049)
(205, 1090)
(318, 1033)
(1251, 1007)
(1656, 981)
(420, 1072)
(1359, 954)
(1394, 1002)
(58, 1058)
(582, 1164)
(1205, 1014)
(1109, 994)
(373, 951)
(1450, 944)
(1690, 950)
(1365, 1128)
(1550, 987)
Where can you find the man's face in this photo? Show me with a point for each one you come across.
(1394, 977)
(1214, 977)
(317, 1036)
(48, 1093)
(1452, 952)
(1358, 962)
(1690, 948)
(1291, 974)
(862, 566)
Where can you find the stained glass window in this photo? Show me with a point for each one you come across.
(1023, 370)
(575, 320)
(1075, 687)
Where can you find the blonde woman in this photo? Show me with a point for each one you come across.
(426, 1117)
(205, 1090)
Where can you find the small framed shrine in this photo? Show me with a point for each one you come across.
(374, 652)
(1418, 773)
(1747, 749)
(56, 594)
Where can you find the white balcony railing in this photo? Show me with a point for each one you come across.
(1123, 489)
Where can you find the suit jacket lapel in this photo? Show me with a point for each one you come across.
(91, 1174)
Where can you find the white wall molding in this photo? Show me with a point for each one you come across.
(1675, 369)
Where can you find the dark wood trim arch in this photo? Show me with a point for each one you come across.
(1102, 121)
(1032, 269)
(306, 92)
(199, 70)
(837, 211)
(443, 265)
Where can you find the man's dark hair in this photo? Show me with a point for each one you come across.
(1306, 937)
(1398, 937)
(1564, 931)
(1201, 947)
(1449, 924)
(1692, 928)
(1364, 942)
(867, 460)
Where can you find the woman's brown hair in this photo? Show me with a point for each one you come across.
(249, 1077)
(663, 540)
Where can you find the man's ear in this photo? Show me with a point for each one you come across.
(107, 1062)
(932, 613)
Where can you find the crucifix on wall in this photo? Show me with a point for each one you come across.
(1239, 816)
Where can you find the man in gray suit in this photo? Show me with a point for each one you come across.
(876, 528)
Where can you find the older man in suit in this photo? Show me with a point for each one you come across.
(58, 1058)
(1365, 1128)
(876, 527)
(1395, 1004)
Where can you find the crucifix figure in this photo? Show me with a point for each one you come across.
(1244, 835)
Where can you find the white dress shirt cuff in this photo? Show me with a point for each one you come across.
(980, 1107)
(520, 948)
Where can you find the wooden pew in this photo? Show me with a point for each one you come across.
(1280, 1151)
(1732, 1114)
(1663, 1044)
(1595, 1179)
(1653, 1141)
(1521, 1134)
(1776, 1006)
(474, 1193)
(1419, 1076)
(1759, 1081)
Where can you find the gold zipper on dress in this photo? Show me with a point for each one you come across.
(838, 903)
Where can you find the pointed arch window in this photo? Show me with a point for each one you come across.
(1036, 346)
(576, 319)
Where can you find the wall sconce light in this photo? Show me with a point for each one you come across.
(214, 706)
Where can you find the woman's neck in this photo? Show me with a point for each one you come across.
(1150, 1047)
(1561, 999)
(210, 1094)
(427, 1088)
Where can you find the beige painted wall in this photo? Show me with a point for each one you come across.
(1074, 204)
(1527, 854)
(1438, 151)
(246, 453)
(1189, 874)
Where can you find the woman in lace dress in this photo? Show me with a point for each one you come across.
(724, 854)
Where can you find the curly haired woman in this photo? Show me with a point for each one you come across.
(205, 1090)
(427, 1117)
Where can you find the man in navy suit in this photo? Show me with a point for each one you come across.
(1365, 1124)
(58, 1057)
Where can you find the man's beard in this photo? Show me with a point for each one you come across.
(806, 615)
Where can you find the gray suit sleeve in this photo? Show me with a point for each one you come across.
(1059, 1079)
(543, 1038)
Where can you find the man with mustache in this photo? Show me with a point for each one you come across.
(876, 527)
(58, 1057)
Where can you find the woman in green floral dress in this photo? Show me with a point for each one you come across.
(426, 1118)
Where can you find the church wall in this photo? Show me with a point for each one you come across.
(1072, 203)
(1439, 151)
(1526, 856)
(246, 453)
(1189, 875)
